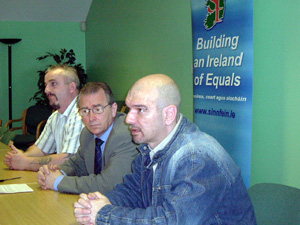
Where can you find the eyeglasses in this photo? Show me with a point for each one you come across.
(97, 110)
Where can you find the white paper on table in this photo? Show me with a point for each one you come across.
(15, 188)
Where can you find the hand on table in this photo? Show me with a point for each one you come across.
(47, 175)
(87, 207)
(15, 159)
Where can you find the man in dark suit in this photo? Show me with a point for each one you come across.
(86, 171)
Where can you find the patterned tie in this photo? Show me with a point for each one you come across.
(98, 156)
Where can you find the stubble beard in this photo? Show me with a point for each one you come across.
(54, 105)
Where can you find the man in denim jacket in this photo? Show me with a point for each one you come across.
(182, 176)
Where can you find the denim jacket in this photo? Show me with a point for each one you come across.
(195, 182)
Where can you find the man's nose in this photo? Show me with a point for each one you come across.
(130, 118)
(46, 89)
(92, 115)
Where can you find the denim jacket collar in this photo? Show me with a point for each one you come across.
(167, 150)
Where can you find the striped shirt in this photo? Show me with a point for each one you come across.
(61, 132)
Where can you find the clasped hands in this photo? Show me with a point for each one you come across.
(15, 158)
(87, 207)
(47, 175)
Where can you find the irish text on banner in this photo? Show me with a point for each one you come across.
(223, 75)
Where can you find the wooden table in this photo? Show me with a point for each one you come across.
(37, 207)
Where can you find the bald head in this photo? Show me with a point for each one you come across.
(154, 103)
(162, 90)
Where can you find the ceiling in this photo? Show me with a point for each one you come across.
(44, 10)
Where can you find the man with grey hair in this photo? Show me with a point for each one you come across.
(106, 149)
(60, 137)
(182, 176)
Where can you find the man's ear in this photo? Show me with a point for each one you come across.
(170, 113)
(114, 108)
(72, 87)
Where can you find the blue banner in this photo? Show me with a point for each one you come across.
(223, 75)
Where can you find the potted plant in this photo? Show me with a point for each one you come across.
(64, 57)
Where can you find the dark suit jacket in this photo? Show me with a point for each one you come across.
(118, 155)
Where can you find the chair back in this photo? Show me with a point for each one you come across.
(35, 114)
(122, 106)
(275, 204)
(31, 118)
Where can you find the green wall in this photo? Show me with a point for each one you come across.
(37, 39)
(276, 104)
(128, 39)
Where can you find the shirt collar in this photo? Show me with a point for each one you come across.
(70, 107)
(104, 137)
(166, 140)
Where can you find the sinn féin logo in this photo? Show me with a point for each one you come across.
(216, 11)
